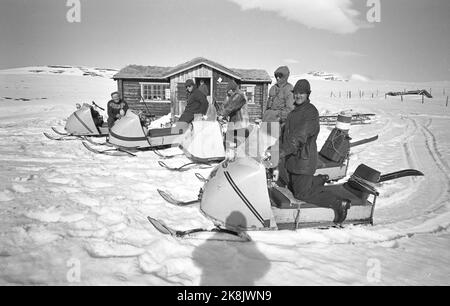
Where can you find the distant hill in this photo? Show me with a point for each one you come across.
(63, 70)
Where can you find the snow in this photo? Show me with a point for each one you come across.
(60, 204)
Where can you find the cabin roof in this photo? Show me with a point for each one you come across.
(156, 72)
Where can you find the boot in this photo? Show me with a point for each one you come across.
(341, 209)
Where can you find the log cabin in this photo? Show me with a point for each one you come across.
(161, 90)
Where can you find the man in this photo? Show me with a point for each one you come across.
(235, 109)
(299, 150)
(203, 88)
(117, 108)
(196, 103)
(281, 101)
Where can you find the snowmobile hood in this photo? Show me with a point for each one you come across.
(81, 123)
(242, 183)
(128, 132)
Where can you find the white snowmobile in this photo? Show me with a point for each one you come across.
(84, 122)
(201, 141)
(254, 202)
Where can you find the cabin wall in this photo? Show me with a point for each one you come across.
(130, 91)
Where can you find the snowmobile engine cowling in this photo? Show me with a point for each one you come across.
(81, 122)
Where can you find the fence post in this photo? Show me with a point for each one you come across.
(446, 104)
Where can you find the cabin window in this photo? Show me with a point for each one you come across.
(249, 91)
(155, 92)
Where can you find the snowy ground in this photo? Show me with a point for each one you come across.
(61, 206)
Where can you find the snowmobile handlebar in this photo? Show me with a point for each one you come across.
(96, 105)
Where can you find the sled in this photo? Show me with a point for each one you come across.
(357, 119)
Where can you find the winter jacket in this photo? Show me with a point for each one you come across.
(281, 99)
(299, 139)
(114, 111)
(235, 107)
(196, 104)
(204, 89)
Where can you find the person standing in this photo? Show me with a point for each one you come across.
(196, 103)
(203, 88)
(235, 111)
(281, 100)
(235, 107)
(117, 108)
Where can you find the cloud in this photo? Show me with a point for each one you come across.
(291, 61)
(347, 53)
(336, 16)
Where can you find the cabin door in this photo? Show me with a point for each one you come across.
(204, 84)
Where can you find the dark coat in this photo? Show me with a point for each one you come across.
(114, 111)
(299, 139)
(204, 89)
(236, 108)
(281, 99)
(196, 104)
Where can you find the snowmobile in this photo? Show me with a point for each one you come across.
(84, 122)
(255, 203)
(334, 156)
(200, 141)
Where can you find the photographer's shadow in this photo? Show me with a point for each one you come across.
(230, 263)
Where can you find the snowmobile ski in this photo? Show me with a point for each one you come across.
(166, 156)
(61, 138)
(399, 174)
(166, 230)
(363, 141)
(170, 199)
(184, 167)
(59, 133)
(201, 178)
(88, 139)
(110, 152)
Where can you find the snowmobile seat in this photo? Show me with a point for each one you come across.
(323, 162)
(163, 132)
(363, 181)
(281, 201)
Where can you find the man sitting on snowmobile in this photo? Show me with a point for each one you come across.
(117, 108)
(298, 149)
(196, 103)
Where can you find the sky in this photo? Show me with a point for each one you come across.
(411, 41)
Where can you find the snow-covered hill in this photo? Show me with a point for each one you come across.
(65, 212)
(61, 70)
